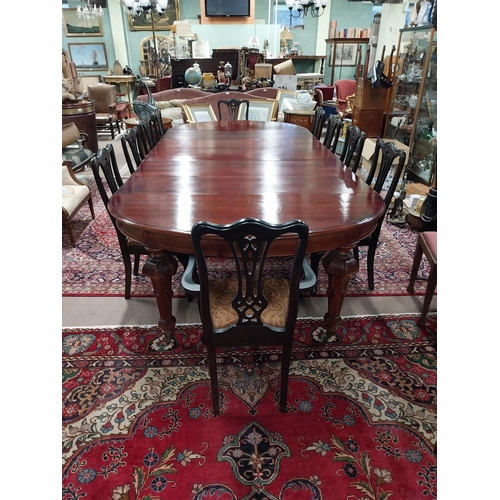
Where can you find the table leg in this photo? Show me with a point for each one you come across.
(160, 267)
(339, 264)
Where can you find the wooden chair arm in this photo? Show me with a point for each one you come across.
(68, 176)
(84, 137)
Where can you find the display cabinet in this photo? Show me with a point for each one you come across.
(412, 114)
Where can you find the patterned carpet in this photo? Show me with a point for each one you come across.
(95, 267)
(361, 420)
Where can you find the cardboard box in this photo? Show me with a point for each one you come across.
(367, 154)
(285, 68)
(263, 70)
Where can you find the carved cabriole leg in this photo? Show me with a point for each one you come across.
(160, 267)
(339, 265)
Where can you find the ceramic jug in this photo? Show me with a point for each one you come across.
(207, 80)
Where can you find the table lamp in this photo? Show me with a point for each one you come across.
(182, 29)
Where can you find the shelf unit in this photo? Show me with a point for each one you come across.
(412, 116)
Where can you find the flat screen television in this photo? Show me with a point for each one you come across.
(228, 8)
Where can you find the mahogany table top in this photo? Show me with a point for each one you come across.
(224, 171)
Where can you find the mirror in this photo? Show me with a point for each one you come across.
(155, 61)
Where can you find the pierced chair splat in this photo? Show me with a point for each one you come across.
(249, 309)
(333, 127)
(353, 147)
(233, 106)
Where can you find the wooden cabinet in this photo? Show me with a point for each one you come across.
(299, 117)
(412, 116)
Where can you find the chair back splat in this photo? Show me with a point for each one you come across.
(353, 146)
(318, 122)
(251, 308)
(233, 107)
(334, 125)
(132, 148)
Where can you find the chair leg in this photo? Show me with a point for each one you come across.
(67, 224)
(416, 265)
(370, 264)
(128, 275)
(91, 206)
(315, 259)
(285, 369)
(212, 369)
(429, 292)
(137, 260)
(112, 129)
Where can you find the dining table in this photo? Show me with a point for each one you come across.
(223, 171)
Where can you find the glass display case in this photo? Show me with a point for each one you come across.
(412, 116)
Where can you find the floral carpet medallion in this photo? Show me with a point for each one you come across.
(94, 267)
(138, 420)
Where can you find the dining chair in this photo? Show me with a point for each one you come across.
(318, 122)
(105, 162)
(386, 154)
(132, 148)
(426, 245)
(249, 308)
(233, 106)
(334, 125)
(353, 147)
(104, 97)
(146, 135)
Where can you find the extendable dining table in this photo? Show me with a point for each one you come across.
(224, 171)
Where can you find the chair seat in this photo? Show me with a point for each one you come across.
(73, 197)
(105, 117)
(222, 292)
(430, 238)
(77, 156)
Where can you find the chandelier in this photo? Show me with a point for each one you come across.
(144, 8)
(88, 11)
(303, 6)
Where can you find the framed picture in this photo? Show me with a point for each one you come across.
(345, 54)
(163, 24)
(88, 56)
(197, 113)
(260, 111)
(284, 98)
(74, 26)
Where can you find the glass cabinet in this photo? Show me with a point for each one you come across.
(412, 114)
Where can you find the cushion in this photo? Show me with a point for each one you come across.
(77, 155)
(222, 292)
(72, 197)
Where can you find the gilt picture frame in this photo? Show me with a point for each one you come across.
(198, 113)
(74, 26)
(89, 56)
(163, 24)
(284, 99)
(261, 111)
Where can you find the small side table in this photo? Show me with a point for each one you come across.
(299, 117)
(132, 122)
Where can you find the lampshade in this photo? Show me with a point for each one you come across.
(183, 29)
(285, 34)
(253, 41)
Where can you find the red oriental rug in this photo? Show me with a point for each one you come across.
(361, 421)
(95, 267)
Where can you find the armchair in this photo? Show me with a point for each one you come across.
(104, 97)
(344, 89)
(73, 147)
(74, 195)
